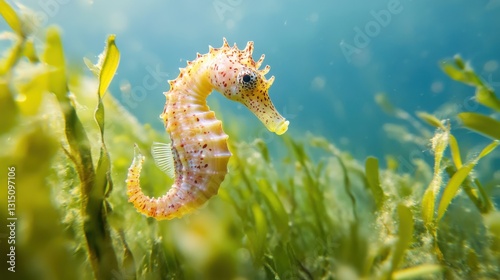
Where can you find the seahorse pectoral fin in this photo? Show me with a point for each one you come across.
(163, 157)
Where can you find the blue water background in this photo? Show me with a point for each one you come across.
(319, 86)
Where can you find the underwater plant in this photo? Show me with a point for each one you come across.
(315, 213)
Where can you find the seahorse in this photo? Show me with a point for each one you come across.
(198, 154)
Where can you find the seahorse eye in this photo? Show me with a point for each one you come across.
(248, 79)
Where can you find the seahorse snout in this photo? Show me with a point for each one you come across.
(278, 126)
(268, 115)
(282, 127)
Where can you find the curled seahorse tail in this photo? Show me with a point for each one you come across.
(143, 203)
(175, 203)
(134, 191)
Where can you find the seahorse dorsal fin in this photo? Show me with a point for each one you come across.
(164, 159)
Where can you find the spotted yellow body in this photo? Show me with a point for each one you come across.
(198, 142)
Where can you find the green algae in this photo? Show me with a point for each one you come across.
(296, 217)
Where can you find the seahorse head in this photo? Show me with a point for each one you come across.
(236, 75)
